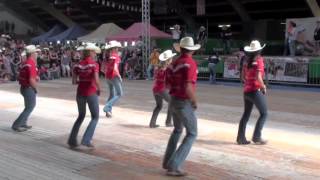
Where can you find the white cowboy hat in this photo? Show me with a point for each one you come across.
(92, 47)
(254, 46)
(114, 44)
(30, 49)
(80, 48)
(106, 46)
(166, 55)
(187, 43)
(24, 53)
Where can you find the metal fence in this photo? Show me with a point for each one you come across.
(279, 70)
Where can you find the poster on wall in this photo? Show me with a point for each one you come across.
(282, 69)
(288, 69)
(231, 67)
(306, 32)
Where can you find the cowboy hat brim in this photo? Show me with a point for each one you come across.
(162, 58)
(249, 49)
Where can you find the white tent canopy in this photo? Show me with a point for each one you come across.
(101, 33)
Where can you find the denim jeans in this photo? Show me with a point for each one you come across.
(183, 116)
(159, 100)
(116, 91)
(94, 109)
(150, 71)
(292, 47)
(259, 100)
(212, 71)
(29, 95)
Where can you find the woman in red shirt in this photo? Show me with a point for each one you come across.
(86, 75)
(160, 91)
(254, 93)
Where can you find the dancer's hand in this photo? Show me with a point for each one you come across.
(98, 92)
(264, 90)
(194, 104)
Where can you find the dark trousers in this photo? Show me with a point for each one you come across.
(29, 96)
(94, 109)
(159, 101)
(258, 99)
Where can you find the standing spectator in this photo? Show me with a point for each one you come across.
(254, 93)
(53, 56)
(45, 58)
(181, 79)
(113, 78)
(202, 37)
(65, 63)
(212, 62)
(86, 75)
(226, 36)
(154, 60)
(316, 36)
(28, 80)
(159, 88)
(292, 37)
(176, 33)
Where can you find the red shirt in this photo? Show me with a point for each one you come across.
(85, 71)
(112, 66)
(27, 70)
(159, 83)
(251, 82)
(182, 71)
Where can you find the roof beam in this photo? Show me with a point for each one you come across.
(314, 6)
(83, 7)
(14, 8)
(238, 7)
(54, 12)
(183, 13)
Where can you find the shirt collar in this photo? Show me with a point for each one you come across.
(186, 56)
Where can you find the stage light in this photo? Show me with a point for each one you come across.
(133, 43)
(97, 1)
(103, 2)
(171, 28)
(125, 44)
(108, 3)
(68, 42)
(58, 42)
(128, 8)
(113, 4)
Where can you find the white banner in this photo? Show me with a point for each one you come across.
(285, 69)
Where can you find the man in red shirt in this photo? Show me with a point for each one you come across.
(113, 77)
(181, 79)
(86, 75)
(28, 77)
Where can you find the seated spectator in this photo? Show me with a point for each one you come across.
(43, 73)
(54, 72)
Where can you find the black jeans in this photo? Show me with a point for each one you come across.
(258, 99)
(159, 101)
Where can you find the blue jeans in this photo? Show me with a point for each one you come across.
(259, 100)
(93, 104)
(150, 71)
(29, 95)
(183, 116)
(159, 100)
(115, 89)
(212, 71)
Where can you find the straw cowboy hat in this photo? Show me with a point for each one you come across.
(166, 55)
(114, 44)
(254, 46)
(92, 47)
(31, 49)
(186, 43)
